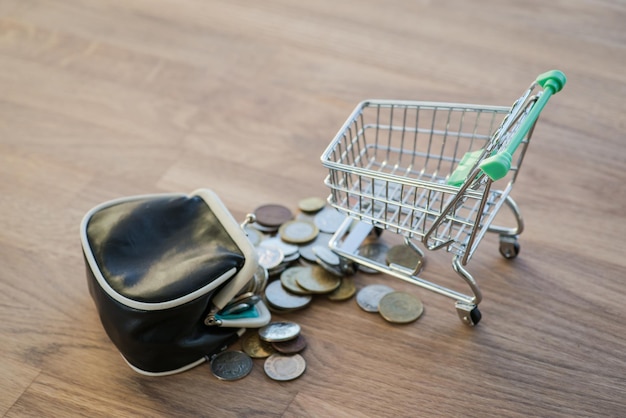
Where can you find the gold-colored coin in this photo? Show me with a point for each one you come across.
(311, 204)
(319, 281)
(345, 291)
(253, 346)
(289, 279)
(400, 307)
(404, 256)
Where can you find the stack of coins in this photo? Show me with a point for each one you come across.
(279, 344)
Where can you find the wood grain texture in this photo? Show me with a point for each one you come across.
(104, 99)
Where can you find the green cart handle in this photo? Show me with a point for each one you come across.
(499, 164)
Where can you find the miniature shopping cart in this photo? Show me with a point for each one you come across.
(435, 173)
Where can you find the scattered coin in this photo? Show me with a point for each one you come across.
(404, 256)
(319, 281)
(284, 367)
(231, 365)
(327, 255)
(276, 309)
(368, 297)
(287, 249)
(345, 291)
(311, 204)
(277, 296)
(263, 229)
(272, 215)
(329, 220)
(298, 232)
(279, 331)
(303, 216)
(254, 235)
(289, 279)
(374, 251)
(269, 257)
(306, 251)
(400, 307)
(253, 346)
(260, 278)
(292, 346)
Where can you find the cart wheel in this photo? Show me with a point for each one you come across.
(468, 313)
(475, 316)
(509, 247)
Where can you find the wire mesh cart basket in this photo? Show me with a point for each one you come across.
(435, 173)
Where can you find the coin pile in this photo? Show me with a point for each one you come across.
(294, 249)
(279, 343)
(295, 265)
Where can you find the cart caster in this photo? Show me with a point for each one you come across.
(468, 313)
(509, 247)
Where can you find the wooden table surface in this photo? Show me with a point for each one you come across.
(100, 100)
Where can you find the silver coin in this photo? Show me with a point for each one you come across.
(280, 298)
(306, 251)
(231, 365)
(335, 270)
(327, 255)
(329, 220)
(263, 229)
(369, 297)
(286, 248)
(284, 367)
(277, 270)
(269, 257)
(260, 279)
(254, 235)
(309, 217)
(279, 331)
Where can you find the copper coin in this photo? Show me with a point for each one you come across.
(255, 347)
(272, 215)
(290, 347)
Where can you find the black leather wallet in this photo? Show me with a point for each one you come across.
(157, 267)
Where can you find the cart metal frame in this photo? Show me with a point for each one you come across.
(435, 173)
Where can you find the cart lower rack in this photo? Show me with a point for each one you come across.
(436, 174)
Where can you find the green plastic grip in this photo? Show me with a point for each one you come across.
(499, 164)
